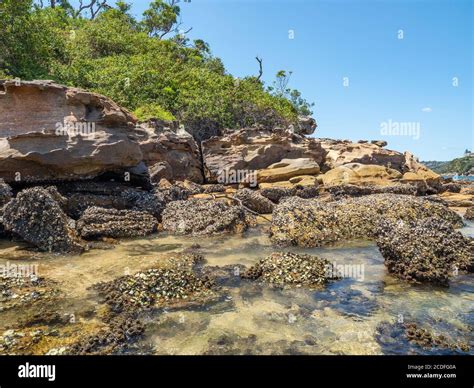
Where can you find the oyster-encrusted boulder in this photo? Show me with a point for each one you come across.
(310, 222)
(275, 194)
(254, 201)
(78, 203)
(152, 203)
(203, 217)
(50, 132)
(469, 214)
(170, 282)
(99, 222)
(340, 191)
(5, 193)
(38, 219)
(287, 268)
(426, 250)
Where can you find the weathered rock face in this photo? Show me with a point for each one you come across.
(292, 269)
(49, 132)
(98, 222)
(417, 173)
(171, 156)
(313, 223)
(251, 149)
(38, 219)
(203, 217)
(458, 199)
(340, 152)
(427, 250)
(286, 169)
(361, 174)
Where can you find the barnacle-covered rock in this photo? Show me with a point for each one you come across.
(310, 222)
(293, 269)
(254, 201)
(5, 193)
(168, 284)
(37, 218)
(469, 215)
(348, 190)
(98, 222)
(427, 250)
(203, 217)
(275, 194)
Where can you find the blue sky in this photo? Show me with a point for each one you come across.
(407, 80)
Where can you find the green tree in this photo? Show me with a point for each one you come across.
(161, 18)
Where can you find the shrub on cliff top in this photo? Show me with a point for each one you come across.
(130, 61)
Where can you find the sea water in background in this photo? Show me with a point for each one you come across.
(467, 178)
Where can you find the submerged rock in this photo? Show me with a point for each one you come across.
(38, 219)
(427, 250)
(98, 222)
(163, 286)
(294, 269)
(412, 338)
(313, 223)
(21, 291)
(203, 217)
(254, 201)
(426, 339)
(119, 333)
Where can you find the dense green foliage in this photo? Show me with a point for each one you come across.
(460, 166)
(130, 61)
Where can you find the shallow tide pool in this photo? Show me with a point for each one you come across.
(359, 314)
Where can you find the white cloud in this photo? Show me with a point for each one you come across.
(427, 110)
